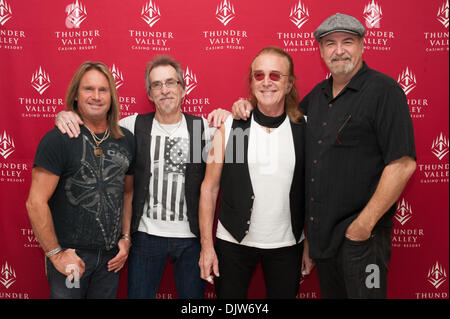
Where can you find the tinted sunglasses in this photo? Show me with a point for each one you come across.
(274, 76)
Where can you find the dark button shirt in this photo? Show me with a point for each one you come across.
(350, 140)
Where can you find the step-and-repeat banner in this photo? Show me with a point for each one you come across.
(42, 43)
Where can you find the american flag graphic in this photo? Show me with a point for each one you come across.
(169, 157)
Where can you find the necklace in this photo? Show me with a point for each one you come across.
(169, 134)
(97, 149)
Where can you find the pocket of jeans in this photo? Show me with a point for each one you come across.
(358, 242)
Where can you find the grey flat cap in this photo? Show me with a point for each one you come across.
(339, 22)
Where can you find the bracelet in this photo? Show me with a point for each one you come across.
(126, 238)
(53, 252)
(125, 235)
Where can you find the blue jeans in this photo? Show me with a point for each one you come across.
(148, 257)
(95, 283)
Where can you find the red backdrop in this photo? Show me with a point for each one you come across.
(43, 42)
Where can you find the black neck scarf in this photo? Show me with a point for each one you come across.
(268, 121)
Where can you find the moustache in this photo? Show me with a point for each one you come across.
(341, 58)
(166, 97)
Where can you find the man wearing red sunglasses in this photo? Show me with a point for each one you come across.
(360, 154)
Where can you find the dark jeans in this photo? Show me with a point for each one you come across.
(281, 269)
(148, 257)
(95, 283)
(359, 270)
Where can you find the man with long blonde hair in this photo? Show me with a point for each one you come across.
(81, 189)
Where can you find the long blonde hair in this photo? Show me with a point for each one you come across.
(292, 98)
(113, 115)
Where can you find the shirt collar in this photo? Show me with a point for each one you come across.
(355, 83)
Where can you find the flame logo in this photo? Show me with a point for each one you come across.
(299, 14)
(436, 275)
(5, 12)
(40, 81)
(440, 147)
(6, 145)
(372, 14)
(191, 80)
(8, 275)
(404, 212)
(407, 81)
(150, 13)
(442, 15)
(225, 12)
(76, 13)
(118, 77)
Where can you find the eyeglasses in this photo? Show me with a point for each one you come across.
(170, 84)
(274, 76)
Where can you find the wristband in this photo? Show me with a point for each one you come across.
(53, 252)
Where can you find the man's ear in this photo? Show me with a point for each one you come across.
(321, 49)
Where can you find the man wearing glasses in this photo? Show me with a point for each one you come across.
(360, 154)
(168, 174)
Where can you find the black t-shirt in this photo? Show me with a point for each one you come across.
(87, 203)
(349, 141)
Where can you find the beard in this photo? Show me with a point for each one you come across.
(341, 68)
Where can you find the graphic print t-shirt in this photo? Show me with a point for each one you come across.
(88, 201)
(165, 211)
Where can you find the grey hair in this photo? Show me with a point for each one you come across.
(163, 60)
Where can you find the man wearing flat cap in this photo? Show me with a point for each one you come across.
(360, 154)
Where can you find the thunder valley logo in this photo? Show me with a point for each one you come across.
(408, 82)
(9, 39)
(375, 37)
(436, 171)
(145, 40)
(74, 38)
(436, 40)
(42, 106)
(298, 40)
(10, 172)
(403, 237)
(7, 279)
(436, 276)
(224, 38)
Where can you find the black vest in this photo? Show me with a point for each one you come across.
(237, 192)
(195, 168)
